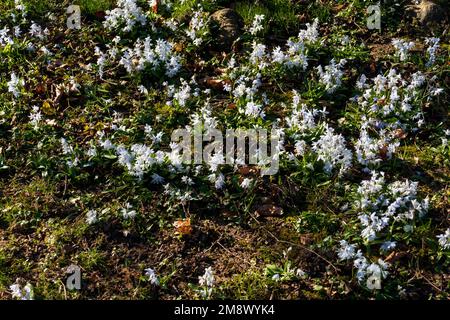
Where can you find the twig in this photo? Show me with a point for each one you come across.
(297, 245)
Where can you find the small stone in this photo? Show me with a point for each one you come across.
(226, 27)
(267, 210)
(428, 11)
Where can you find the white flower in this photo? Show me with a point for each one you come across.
(152, 276)
(128, 13)
(346, 251)
(431, 50)
(331, 149)
(278, 56)
(15, 84)
(220, 181)
(127, 212)
(207, 282)
(444, 239)
(258, 53)
(35, 116)
(186, 180)
(26, 293)
(402, 47)
(91, 217)
(36, 31)
(300, 147)
(311, 33)
(332, 75)
(157, 179)
(142, 89)
(388, 245)
(246, 183)
(257, 24)
(197, 28)
(4, 37)
(16, 291)
(253, 110)
(67, 149)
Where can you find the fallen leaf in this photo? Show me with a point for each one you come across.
(155, 6)
(183, 226)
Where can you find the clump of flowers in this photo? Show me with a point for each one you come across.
(403, 47)
(433, 46)
(371, 272)
(198, 27)
(384, 213)
(331, 149)
(380, 205)
(35, 116)
(392, 102)
(331, 77)
(25, 293)
(152, 277)
(15, 84)
(376, 147)
(257, 24)
(156, 56)
(302, 118)
(125, 16)
(206, 282)
(444, 239)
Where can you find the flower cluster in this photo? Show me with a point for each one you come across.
(403, 47)
(331, 149)
(198, 27)
(156, 55)
(433, 46)
(444, 239)
(366, 270)
(390, 107)
(125, 16)
(257, 24)
(331, 77)
(381, 207)
(25, 293)
(15, 84)
(206, 281)
(151, 274)
(373, 149)
(35, 116)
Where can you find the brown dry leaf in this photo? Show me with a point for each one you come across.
(306, 239)
(394, 256)
(183, 226)
(339, 7)
(220, 71)
(400, 134)
(216, 84)
(232, 106)
(40, 88)
(59, 91)
(383, 152)
(155, 6)
(178, 47)
(244, 170)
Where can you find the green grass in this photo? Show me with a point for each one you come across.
(282, 15)
(43, 202)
